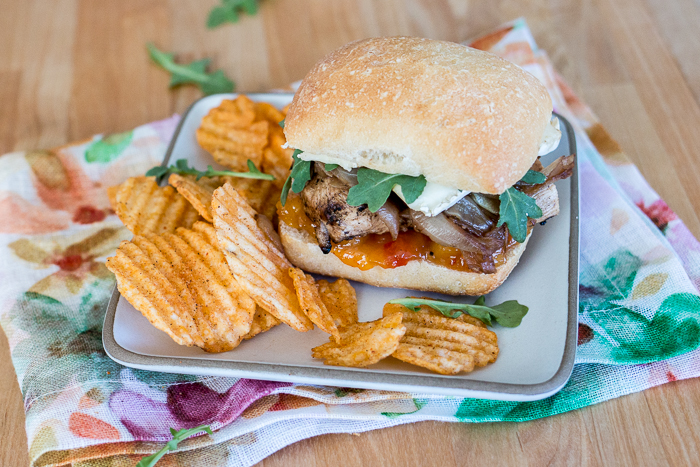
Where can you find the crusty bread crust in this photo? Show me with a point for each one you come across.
(303, 251)
(462, 117)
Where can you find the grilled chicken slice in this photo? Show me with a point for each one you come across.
(325, 202)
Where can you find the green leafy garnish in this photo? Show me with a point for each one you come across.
(282, 122)
(180, 167)
(298, 177)
(171, 445)
(533, 177)
(373, 188)
(508, 314)
(192, 73)
(228, 10)
(515, 208)
(330, 167)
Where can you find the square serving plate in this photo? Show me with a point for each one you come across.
(534, 362)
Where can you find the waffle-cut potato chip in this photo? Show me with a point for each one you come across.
(145, 208)
(190, 268)
(445, 345)
(222, 314)
(311, 303)
(233, 133)
(262, 195)
(363, 344)
(197, 192)
(148, 281)
(262, 321)
(265, 111)
(241, 129)
(254, 258)
(340, 300)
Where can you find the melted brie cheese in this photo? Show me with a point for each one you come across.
(326, 159)
(434, 199)
(551, 137)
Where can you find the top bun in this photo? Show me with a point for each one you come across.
(462, 117)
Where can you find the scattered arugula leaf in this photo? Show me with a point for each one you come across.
(508, 314)
(282, 123)
(533, 177)
(192, 73)
(180, 167)
(515, 208)
(373, 188)
(181, 435)
(298, 177)
(228, 11)
(330, 167)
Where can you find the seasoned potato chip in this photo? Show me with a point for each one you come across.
(205, 292)
(254, 258)
(232, 133)
(311, 303)
(363, 344)
(262, 195)
(340, 300)
(145, 208)
(441, 344)
(265, 111)
(262, 321)
(150, 284)
(241, 129)
(197, 192)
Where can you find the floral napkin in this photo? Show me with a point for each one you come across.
(639, 313)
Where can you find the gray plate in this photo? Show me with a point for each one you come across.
(535, 360)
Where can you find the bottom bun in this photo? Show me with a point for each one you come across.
(303, 251)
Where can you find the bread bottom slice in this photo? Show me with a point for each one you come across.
(303, 251)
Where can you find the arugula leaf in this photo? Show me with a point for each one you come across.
(150, 461)
(508, 314)
(515, 208)
(285, 190)
(373, 188)
(193, 73)
(298, 177)
(181, 167)
(533, 177)
(228, 12)
(330, 167)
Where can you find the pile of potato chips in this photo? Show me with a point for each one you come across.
(207, 267)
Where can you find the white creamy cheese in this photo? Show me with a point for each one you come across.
(434, 199)
(551, 137)
(326, 159)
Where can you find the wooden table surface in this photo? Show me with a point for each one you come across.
(69, 69)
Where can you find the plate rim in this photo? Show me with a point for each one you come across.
(334, 376)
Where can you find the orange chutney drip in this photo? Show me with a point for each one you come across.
(380, 250)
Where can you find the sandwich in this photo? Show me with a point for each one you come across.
(416, 165)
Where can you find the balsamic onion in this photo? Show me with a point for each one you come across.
(490, 203)
(389, 214)
(467, 213)
(445, 232)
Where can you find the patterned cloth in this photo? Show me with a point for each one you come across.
(639, 314)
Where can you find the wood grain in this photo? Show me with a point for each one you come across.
(71, 68)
